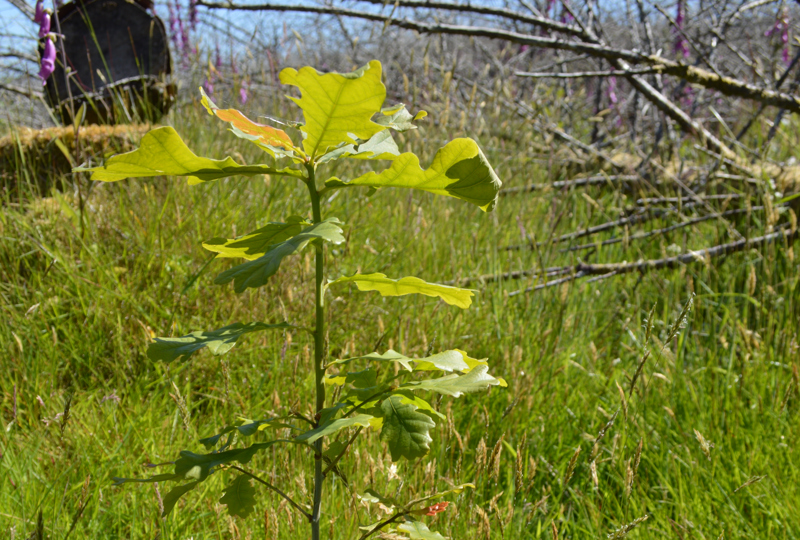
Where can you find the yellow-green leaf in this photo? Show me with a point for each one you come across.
(398, 118)
(253, 245)
(419, 531)
(337, 107)
(168, 349)
(163, 153)
(362, 420)
(456, 385)
(409, 285)
(458, 170)
(255, 273)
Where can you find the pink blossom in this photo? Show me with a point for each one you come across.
(612, 90)
(44, 26)
(681, 44)
(782, 24)
(243, 95)
(48, 60)
(39, 13)
(208, 85)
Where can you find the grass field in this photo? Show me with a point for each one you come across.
(704, 447)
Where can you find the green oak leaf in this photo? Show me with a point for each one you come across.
(398, 118)
(362, 420)
(389, 356)
(157, 478)
(472, 363)
(405, 430)
(419, 531)
(193, 466)
(171, 498)
(444, 361)
(246, 428)
(256, 273)
(337, 107)
(453, 360)
(459, 170)
(379, 146)
(410, 397)
(239, 497)
(408, 285)
(163, 153)
(455, 385)
(218, 341)
(364, 385)
(253, 245)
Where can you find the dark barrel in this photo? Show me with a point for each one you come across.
(119, 56)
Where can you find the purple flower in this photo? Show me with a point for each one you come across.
(208, 85)
(218, 58)
(243, 95)
(173, 24)
(681, 45)
(44, 26)
(782, 24)
(39, 13)
(48, 60)
(612, 90)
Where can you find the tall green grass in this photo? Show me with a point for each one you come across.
(78, 312)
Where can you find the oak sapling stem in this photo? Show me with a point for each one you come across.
(351, 127)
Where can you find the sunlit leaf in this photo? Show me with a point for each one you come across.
(330, 428)
(453, 360)
(380, 146)
(171, 498)
(218, 341)
(419, 531)
(239, 497)
(408, 285)
(459, 170)
(256, 273)
(455, 385)
(275, 141)
(389, 356)
(472, 363)
(444, 361)
(163, 153)
(405, 429)
(253, 245)
(413, 399)
(398, 118)
(337, 107)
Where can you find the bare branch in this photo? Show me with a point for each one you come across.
(614, 269)
(692, 74)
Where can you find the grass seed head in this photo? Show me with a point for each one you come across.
(571, 467)
(625, 529)
(494, 460)
(705, 445)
